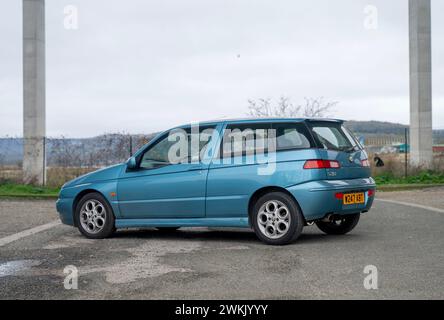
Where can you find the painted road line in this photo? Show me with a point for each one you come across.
(414, 205)
(26, 233)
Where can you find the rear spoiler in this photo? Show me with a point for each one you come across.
(325, 120)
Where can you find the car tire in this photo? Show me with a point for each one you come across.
(167, 229)
(341, 226)
(94, 216)
(277, 219)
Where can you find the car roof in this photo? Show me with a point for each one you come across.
(269, 119)
(252, 120)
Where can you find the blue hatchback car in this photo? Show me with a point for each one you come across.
(272, 175)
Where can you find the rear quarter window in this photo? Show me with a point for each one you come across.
(292, 136)
(252, 138)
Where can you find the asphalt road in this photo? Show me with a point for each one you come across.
(404, 243)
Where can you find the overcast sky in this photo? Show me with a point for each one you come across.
(141, 66)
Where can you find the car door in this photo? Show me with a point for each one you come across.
(162, 188)
(233, 171)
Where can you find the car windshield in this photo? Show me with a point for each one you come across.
(333, 136)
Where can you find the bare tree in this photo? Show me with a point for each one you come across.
(317, 107)
(64, 153)
(99, 151)
(312, 108)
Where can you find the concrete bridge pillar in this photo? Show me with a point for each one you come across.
(34, 115)
(421, 153)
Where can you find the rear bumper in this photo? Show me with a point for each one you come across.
(317, 198)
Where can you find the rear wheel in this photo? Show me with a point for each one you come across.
(276, 219)
(94, 216)
(339, 226)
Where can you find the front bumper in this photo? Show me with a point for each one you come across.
(317, 198)
(64, 208)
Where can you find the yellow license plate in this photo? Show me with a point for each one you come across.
(353, 198)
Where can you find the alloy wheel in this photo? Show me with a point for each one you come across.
(274, 219)
(93, 216)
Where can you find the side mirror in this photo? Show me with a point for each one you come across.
(131, 163)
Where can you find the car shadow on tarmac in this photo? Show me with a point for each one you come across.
(224, 235)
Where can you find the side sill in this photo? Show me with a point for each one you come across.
(188, 222)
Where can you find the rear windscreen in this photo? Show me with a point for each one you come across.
(333, 136)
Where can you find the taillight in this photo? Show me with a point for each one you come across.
(321, 164)
(365, 163)
(371, 193)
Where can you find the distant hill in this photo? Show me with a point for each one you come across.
(376, 127)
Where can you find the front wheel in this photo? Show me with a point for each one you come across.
(276, 219)
(343, 225)
(94, 216)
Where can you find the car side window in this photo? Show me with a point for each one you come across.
(159, 154)
(201, 138)
(244, 139)
(292, 136)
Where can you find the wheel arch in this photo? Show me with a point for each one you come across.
(262, 191)
(79, 196)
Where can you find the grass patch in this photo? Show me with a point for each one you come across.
(26, 191)
(406, 187)
(422, 178)
(385, 182)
